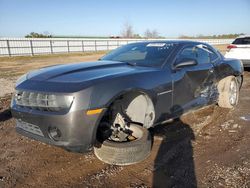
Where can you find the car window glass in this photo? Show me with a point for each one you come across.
(213, 56)
(142, 54)
(193, 52)
(202, 56)
(131, 55)
(245, 40)
(188, 53)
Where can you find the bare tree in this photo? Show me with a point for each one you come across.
(155, 34)
(127, 31)
(147, 33)
(151, 34)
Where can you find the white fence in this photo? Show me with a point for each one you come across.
(37, 46)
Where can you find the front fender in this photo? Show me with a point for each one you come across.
(104, 94)
(150, 84)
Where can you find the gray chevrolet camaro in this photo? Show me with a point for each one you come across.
(111, 103)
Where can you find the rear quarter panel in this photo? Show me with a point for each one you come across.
(228, 67)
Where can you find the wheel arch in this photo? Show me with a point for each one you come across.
(231, 67)
(129, 95)
(116, 97)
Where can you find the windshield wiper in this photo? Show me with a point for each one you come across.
(128, 63)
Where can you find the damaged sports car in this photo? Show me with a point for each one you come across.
(110, 104)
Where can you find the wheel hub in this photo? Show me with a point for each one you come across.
(120, 130)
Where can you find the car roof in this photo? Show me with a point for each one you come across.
(171, 41)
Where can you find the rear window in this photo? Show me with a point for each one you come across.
(245, 40)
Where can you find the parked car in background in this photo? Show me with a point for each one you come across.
(240, 49)
(112, 103)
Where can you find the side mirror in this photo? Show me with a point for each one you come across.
(186, 62)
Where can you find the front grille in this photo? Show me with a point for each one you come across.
(29, 127)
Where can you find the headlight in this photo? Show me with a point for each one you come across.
(59, 101)
(44, 102)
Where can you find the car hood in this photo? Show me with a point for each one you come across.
(81, 72)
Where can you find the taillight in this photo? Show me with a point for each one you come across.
(229, 47)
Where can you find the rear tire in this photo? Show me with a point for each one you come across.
(126, 153)
(228, 92)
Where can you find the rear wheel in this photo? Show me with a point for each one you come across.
(228, 92)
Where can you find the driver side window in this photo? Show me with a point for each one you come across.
(202, 56)
(193, 52)
(188, 53)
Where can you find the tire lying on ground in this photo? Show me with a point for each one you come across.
(228, 92)
(126, 153)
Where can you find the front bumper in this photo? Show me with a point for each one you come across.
(78, 130)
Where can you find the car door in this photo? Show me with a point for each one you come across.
(191, 82)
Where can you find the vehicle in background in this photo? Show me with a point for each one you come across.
(240, 49)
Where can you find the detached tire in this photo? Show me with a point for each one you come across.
(228, 92)
(126, 153)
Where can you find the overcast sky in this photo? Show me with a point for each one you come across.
(171, 18)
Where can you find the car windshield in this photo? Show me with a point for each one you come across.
(151, 54)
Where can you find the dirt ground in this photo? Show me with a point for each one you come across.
(205, 148)
(14, 67)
